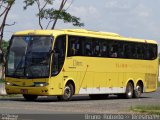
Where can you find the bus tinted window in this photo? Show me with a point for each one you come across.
(152, 51)
(74, 46)
(59, 54)
(96, 47)
(104, 49)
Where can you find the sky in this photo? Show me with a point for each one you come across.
(129, 18)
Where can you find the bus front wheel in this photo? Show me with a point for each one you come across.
(68, 93)
(30, 97)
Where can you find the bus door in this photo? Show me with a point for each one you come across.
(58, 59)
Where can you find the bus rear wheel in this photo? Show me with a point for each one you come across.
(30, 97)
(138, 91)
(129, 91)
(68, 93)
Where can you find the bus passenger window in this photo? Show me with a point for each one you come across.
(74, 46)
(147, 53)
(120, 52)
(140, 51)
(104, 51)
(96, 49)
(88, 50)
(113, 51)
(128, 51)
(153, 52)
(73, 49)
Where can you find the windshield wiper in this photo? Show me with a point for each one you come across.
(19, 66)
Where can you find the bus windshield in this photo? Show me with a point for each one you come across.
(29, 56)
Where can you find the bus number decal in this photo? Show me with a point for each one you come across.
(123, 65)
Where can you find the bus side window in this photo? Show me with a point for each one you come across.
(77, 47)
(140, 51)
(128, 51)
(153, 52)
(113, 50)
(88, 47)
(96, 48)
(120, 50)
(58, 55)
(147, 52)
(74, 47)
(134, 51)
(104, 49)
(71, 46)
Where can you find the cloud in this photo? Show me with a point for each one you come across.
(120, 4)
(128, 15)
(85, 12)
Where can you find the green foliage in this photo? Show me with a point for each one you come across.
(4, 46)
(31, 2)
(51, 14)
(152, 109)
(9, 1)
(28, 3)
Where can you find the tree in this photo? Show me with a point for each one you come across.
(46, 12)
(5, 7)
(4, 45)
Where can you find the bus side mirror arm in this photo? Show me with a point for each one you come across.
(51, 52)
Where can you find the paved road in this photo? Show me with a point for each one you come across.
(79, 105)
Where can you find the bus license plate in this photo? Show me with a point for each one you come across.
(24, 91)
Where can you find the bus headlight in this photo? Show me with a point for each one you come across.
(8, 83)
(40, 84)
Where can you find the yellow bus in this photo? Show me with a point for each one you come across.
(71, 62)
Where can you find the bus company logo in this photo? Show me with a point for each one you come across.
(77, 63)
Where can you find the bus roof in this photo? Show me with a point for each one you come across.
(83, 32)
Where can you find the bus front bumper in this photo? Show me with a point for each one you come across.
(42, 91)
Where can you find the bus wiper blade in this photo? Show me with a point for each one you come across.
(18, 66)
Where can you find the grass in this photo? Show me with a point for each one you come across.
(158, 84)
(150, 109)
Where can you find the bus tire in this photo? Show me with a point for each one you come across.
(30, 97)
(129, 90)
(68, 93)
(138, 90)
